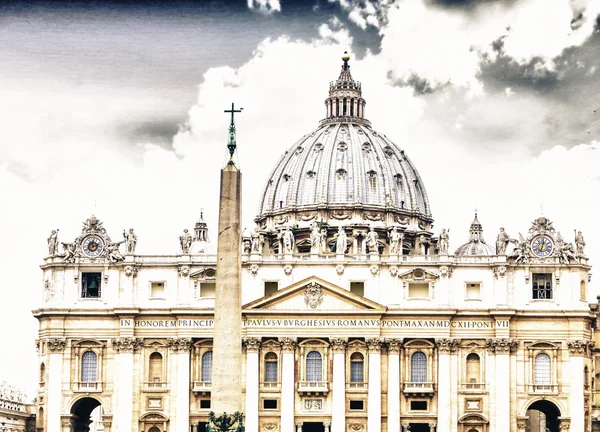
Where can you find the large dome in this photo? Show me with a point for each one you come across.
(345, 171)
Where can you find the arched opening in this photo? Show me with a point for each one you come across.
(473, 369)
(39, 421)
(314, 367)
(42, 373)
(155, 367)
(271, 367)
(357, 368)
(543, 416)
(82, 413)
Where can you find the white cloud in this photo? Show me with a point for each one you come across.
(265, 6)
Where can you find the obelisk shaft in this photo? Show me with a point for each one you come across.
(226, 393)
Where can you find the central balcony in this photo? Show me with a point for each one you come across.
(543, 389)
(356, 387)
(202, 387)
(313, 387)
(419, 388)
(88, 387)
(270, 386)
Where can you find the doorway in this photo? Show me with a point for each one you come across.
(543, 416)
(313, 427)
(82, 412)
(419, 427)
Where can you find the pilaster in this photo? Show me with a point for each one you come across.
(445, 347)
(180, 347)
(338, 409)
(252, 382)
(56, 347)
(288, 346)
(125, 347)
(374, 392)
(393, 409)
(578, 349)
(502, 349)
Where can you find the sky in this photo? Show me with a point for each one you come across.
(115, 109)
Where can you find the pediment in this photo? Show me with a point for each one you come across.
(418, 274)
(314, 294)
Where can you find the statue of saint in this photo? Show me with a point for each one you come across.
(371, 239)
(340, 242)
(501, 242)
(288, 241)
(113, 252)
(69, 252)
(185, 240)
(246, 246)
(130, 242)
(315, 237)
(53, 243)
(256, 241)
(443, 242)
(395, 237)
(579, 244)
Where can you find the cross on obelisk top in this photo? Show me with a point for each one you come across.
(232, 143)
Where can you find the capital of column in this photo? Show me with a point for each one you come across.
(565, 423)
(338, 345)
(127, 344)
(580, 347)
(251, 344)
(502, 346)
(446, 346)
(56, 344)
(374, 344)
(522, 422)
(179, 344)
(288, 344)
(394, 346)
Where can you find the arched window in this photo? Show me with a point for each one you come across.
(543, 375)
(154, 429)
(207, 366)
(473, 368)
(271, 367)
(418, 367)
(42, 373)
(582, 291)
(89, 367)
(155, 367)
(357, 370)
(314, 366)
(40, 418)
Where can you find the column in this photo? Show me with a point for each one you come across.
(577, 351)
(54, 380)
(338, 398)
(374, 393)
(124, 346)
(288, 346)
(393, 423)
(299, 427)
(444, 378)
(502, 348)
(326, 426)
(180, 348)
(252, 383)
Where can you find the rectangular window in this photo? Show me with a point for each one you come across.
(271, 287)
(157, 290)
(357, 288)
(207, 289)
(270, 404)
(418, 405)
(90, 285)
(357, 405)
(542, 286)
(204, 403)
(418, 290)
(473, 291)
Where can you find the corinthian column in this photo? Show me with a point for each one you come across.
(125, 346)
(445, 346)
(374, 393)
(252, 383)
(502, 348)
(338, 409)
(56, 347)
(288, 346)
(577, 351)
(393, 408)
(181, 350)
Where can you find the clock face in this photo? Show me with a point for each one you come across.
(92, 246)
(542, 246)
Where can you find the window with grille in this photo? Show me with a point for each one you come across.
(155, 367)
(473, 368)
(207, 366)
(542, 286)
(418, 367)
(91, 285)
(357, 370)
(89, 366)
(271, 367)
(314, 365)
(543, 374)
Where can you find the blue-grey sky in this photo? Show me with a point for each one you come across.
(115, 108)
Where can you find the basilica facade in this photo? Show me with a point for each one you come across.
(356, 315)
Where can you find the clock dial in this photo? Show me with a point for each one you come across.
(92, 246)
(542, 246)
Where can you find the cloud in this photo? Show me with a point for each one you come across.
(265, 6)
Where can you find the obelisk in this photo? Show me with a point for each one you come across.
(226, 392)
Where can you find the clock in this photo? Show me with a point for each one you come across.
(542, 246)
(92, 246)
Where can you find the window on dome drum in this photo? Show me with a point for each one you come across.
(271, 367)
(541, 286)
(418, 367)
(155, 367)
(418, 290)
(543, 374)
(357, 368)
(271, 287)
(314, 367)
(207, 289)
(91, 285)
(357, 288)
(207, 358)
(473, 291)
(157, 290)
(89, 367)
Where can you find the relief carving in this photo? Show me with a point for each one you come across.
(313, 295)
(56, 344)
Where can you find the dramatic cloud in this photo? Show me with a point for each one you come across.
(265, 6)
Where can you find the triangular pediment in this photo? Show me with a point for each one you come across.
(314, 294)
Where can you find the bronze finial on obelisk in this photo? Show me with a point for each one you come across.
(226, 387)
